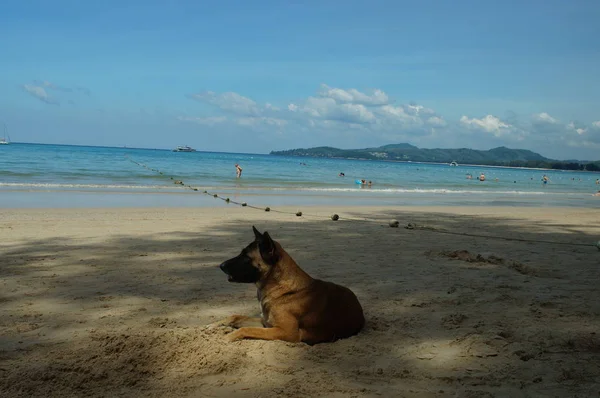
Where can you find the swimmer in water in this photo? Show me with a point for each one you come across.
(545, 179)
(482, 177)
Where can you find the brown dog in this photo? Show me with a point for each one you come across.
(295, 307)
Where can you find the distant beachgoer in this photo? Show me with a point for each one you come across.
(545, 179)
(597, 193)
(370, 183)
(363, 182)
(469, 176)
(238, 170)
(597, 181)
(342, 174)
(482, 177)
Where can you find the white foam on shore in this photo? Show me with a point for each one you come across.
(262, 188)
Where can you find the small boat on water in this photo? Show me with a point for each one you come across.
(453, 163)
(184, 148)
(3, 139)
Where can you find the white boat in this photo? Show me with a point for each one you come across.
(453, 163)
(3, 139)
(184, 148)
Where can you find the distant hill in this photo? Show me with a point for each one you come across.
(501, 156)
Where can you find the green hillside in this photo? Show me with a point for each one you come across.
(501, 156)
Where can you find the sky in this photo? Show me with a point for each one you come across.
(257, 76)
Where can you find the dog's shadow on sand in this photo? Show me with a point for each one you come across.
(127, 317)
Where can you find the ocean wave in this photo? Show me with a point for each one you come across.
(257, 189)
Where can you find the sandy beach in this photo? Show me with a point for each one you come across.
(116, 302)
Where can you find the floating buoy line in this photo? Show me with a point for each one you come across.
(336, 217)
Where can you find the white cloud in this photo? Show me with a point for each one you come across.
(56, 87)
(255, 121)
(544, 118)
(418, 110)
(437, 121)
(351, 116)
(354, 96)
(329, 109)
(231, 102)
(39, 90)
(52, 86)
(572, 134)
(576, 128)
(544, 130)
(399, 113)
(489, 124)
(39, 93)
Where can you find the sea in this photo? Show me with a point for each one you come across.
(55, 176)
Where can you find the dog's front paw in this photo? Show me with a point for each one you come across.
(234, 336)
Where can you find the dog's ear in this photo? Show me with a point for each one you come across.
(268, 249)
(257, 235)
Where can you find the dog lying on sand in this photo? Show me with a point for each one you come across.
(295, 307)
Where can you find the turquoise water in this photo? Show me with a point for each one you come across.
(48, 172)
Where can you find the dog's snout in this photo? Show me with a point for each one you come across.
(222, 266)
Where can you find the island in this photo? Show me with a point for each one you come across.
(404, 152)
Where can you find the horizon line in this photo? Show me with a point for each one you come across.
(268, 153)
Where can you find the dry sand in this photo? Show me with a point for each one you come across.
(115, 302)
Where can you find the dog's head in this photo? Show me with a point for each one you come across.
(254, 262)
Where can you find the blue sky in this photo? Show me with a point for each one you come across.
(258, 76)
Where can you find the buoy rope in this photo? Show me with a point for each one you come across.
(336, 217)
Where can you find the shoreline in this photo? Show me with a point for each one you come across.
(172, 198)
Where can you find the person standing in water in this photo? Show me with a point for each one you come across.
(238, 170)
